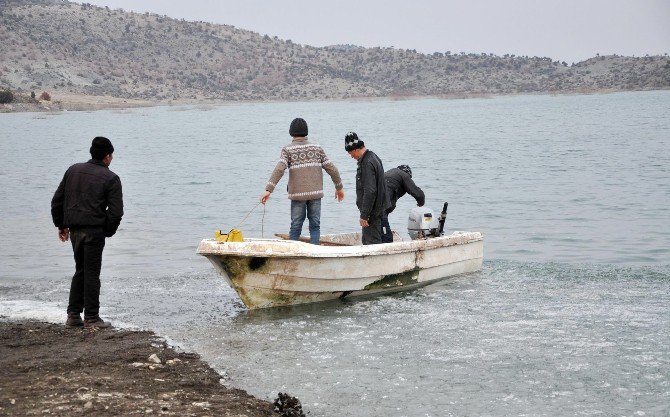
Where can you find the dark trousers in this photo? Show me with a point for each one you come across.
(387, 235)
(373, 233)
(87, 245)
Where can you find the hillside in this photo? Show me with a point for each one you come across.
(70, 48)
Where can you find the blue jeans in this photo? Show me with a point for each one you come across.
(311, 208)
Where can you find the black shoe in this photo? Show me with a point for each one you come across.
(74, 320)
(96, 322)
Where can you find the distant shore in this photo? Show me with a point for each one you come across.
(53, 370)
(82, 102)
(74, 102)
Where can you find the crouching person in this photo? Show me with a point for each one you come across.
(398, 183)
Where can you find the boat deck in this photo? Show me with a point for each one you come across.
(348, 245)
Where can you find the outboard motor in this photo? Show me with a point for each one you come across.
(423, 223)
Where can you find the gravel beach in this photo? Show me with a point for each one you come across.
(53, 370)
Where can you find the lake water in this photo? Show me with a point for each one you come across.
(569, 316)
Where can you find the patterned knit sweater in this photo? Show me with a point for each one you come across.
(304, 161)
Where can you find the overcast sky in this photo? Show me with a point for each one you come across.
(566, 30)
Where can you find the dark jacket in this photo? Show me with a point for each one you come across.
(88, 196)
(398, 182)
(370, 186)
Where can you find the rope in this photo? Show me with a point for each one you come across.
(262, 221)
(245, 217)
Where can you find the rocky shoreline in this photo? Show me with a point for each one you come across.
(52, 370)
(81, 102)
(74, 102)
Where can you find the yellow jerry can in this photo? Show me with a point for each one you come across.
(234, 235)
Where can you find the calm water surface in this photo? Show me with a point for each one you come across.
(569, 315)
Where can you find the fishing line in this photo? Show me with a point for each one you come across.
(263, 223)
(262, 220)
(245, 217)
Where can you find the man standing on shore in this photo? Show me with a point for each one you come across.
(371, 196)
(86, 208)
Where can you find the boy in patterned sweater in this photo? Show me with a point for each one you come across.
(304, 161)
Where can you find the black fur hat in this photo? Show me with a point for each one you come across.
(405, 168)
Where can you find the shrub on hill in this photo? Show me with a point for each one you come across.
(6, 96)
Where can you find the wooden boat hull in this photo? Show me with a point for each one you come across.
(272, 273)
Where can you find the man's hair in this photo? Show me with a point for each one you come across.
(101, 147)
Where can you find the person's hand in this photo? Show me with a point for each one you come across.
(364, 223)
(63, 235)
(265, 196)
(339, 194)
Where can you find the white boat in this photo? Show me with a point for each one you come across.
(273, 273)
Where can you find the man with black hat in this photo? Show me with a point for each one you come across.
(398, 183)
(371, 196)
(86, 208)
(305, 161)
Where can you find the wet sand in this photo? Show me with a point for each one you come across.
(54, 370)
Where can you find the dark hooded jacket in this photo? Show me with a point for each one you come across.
(398, 183)
(89, 195)
(371, 196)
